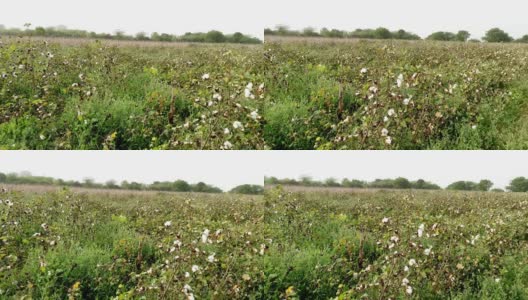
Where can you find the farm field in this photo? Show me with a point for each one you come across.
(367, 94)
(313, 244)
(82, 94)
(408, 244)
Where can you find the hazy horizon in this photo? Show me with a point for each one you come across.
(162, 16)
(222, 169)
(439, 167)
(419, 17)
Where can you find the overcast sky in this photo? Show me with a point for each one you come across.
(418, 16)
(441, 167)
(223, 169)
(132, 16)
(231, 168)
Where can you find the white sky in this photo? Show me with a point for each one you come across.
(419, 16)
(223, 169)
(440, 167)
(132, 16)
(230, 168)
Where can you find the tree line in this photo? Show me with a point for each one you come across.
(494, 35)
(168, 186)
(519, 184)
(213, 36)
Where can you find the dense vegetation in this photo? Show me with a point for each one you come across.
(398, 183)
(424, 244)
(174, 186)
(395, 95)
(92, 96)
(213, 36)
(519, 184)
(494, 35)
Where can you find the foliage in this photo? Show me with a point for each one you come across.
(248, 189)
(93, 96)
(496, 35)
(176, 186)
(212, 36)
(394, 95)
(398, 183)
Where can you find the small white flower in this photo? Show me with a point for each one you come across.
(228, 145)
(391, 112)
(399, 80)
(217, 97)
(254, 115)
(409, 290)
(364, 71)
(412, 262)
(227, 131)
(385, 220)
(474, 127)
(385, 119)
(238, 125)
(384, 132)
(177, 243)
(428, 251)
(187, 275)
(261, 87)
(81, 76)
(388, 140)
(406, 101)
(167, 223)
(42, 137)
(406, 269)
(211, 258)
(421, 230)
(205, 235)
(9, 203)
(205, 76)
(195, 268)
(405, 281)
(21, 67)
(497, 279)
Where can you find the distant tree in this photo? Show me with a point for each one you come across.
(271, 180)
(354, 183)
(181, 186)
(111, 184)
(3, 178)
(248, 189)
(463, 186)
(402, 183)
(497, 190)
(519, 184)
(215, 36)
(40, 31)
(155, 36)
(309, 31)
(282, 30)
(382, 33)
(237, 37)
(474, 41)
(484, 185)
(442, 36)
(119, 34)
(331, 182)
(88, 182)
(496, 35)
(463, 36)
(141, 36)
(306, 180)
(524, 39)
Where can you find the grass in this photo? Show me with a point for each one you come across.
(364, 94)
(314, 244)
(95, 95)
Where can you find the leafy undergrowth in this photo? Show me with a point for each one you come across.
(98, 97)
(392, 95)
(316, 245)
